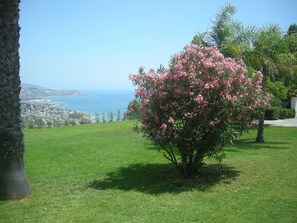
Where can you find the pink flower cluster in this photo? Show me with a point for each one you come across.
(199, 95)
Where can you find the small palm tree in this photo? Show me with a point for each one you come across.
(260, 49)
(13, 179)
(229, 36)
(262, 57)
(223, 26)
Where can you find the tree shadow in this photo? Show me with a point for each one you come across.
(251, 144)
(164, 178)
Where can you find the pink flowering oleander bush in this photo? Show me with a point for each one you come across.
(198, 105)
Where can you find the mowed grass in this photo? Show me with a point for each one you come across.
(108, 173)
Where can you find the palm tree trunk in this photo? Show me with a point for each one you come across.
(260, 133)
(13, 179)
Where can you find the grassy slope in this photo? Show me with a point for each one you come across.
(108, 173)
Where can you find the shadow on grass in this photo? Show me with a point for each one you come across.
(251, 144)
(163, 178)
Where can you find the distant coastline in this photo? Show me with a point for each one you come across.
(38, 111)
(43, 107)
(31, 92)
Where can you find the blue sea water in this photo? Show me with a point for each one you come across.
(97, 101)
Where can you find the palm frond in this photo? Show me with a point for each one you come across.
(200, 39)
(221, 29)
(161, 69)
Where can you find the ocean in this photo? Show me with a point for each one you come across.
(97, 101)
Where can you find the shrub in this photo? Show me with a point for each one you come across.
(272, 113)
(275, 113)
(278, 92)
(198, 105)
(286, 113)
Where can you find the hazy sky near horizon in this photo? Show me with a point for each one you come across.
(96, 44)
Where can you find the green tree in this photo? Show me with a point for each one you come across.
(84, 120)
(260, 57)
(286, 60)
(97, 118)
(292, 29)
(118, 115)
(273, 54)
(233, 40)
(49, 123)
(103, 117)
(39, 122)
(265, 50)
(111, 117)
(223, 27)
(13, 178)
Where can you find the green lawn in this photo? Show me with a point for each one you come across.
(108, 173)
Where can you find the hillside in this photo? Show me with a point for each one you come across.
(33, 92)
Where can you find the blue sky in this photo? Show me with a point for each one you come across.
(96, 44)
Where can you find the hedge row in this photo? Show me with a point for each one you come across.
(274, 113)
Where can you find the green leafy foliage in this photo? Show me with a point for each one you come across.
(278, 91)
(272, 113)
(292, 29)
(275, 113)
(286, 113)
